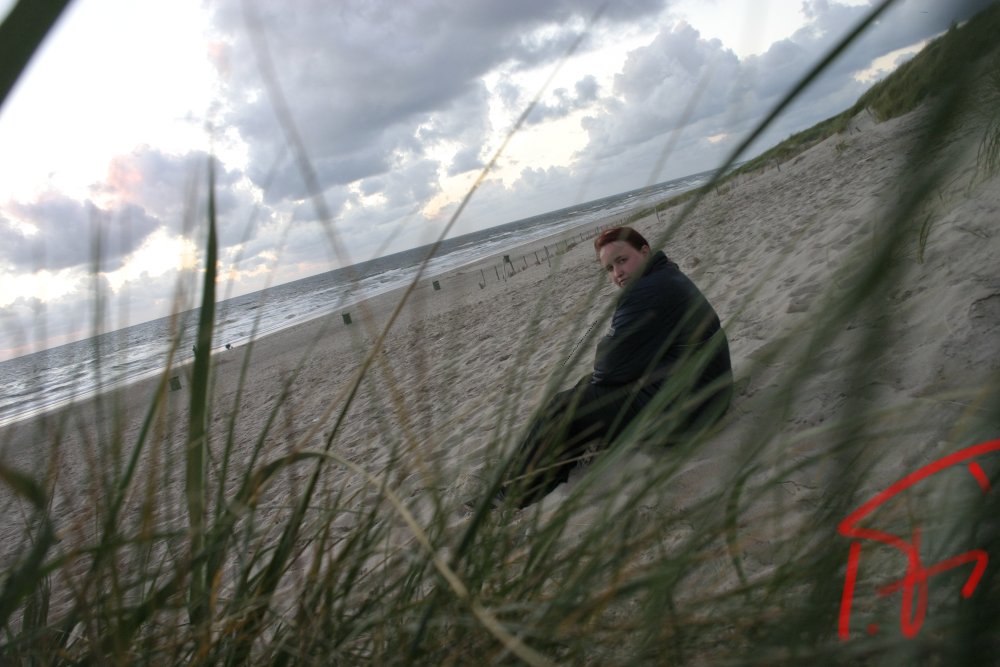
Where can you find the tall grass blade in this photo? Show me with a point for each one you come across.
(22, 580)
(21, 33)
(196, 482)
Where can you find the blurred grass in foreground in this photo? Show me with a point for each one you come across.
(361, 564)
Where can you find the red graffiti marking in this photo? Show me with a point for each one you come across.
(914, 583)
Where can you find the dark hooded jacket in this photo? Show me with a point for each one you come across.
(662, 320)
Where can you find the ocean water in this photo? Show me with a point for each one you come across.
(47, 379)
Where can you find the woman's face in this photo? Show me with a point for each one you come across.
(622, 261)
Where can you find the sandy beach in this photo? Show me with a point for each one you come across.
(461, 368)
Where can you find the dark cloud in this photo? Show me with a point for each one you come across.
(464, 119)
(372, 83)
(334, 200)
(168, 186)
(587, 89)
(171, 187)
(73, 234)
(362, 78)
(585, 93)
(653, 97)
(412, 185)
(525, 13)
(509, 93)
(466, 159)
(341, 170)
(371, 186)
(7, 232)
(174, 189)
(404, 191)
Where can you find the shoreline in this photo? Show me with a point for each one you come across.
(374, 311)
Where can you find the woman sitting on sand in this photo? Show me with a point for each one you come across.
(664, 336)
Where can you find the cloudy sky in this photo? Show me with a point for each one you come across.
(398, 106)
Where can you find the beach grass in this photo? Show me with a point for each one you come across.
(201, 549)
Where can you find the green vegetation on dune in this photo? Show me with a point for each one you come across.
(933, 70)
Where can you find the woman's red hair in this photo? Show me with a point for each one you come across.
(627, 234)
